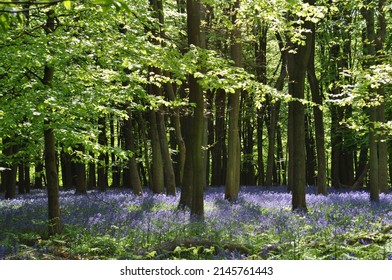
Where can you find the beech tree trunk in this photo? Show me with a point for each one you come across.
(382, 143)
(297, 62)
(52, 181)
(9, 174)
(370, 50)
(196, 96)
(318, 119)
(219, 147)
(274, 116)
(79, 173)
(131, 173)
(234, 156)
(103, 181)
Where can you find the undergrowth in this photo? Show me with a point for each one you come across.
(259, 225)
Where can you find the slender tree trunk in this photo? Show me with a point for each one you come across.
(261, 73)
(50, 156)
(218, 159)
(21, 179)
(187, 182)
(382, 144)
(248, 175)
(103, 157)
(310, 151)
(66, 170)
(167, 164)
(318, 119)
(370, 50)
(79, 173)
(27, 177)
(52, 178)
(176, 120)
(92, 176)
(116, 177)
(234, 156)
(297, 65)
(281, 160)
(131, 173)
(157, 179)
(169, 176)
(274, 115)
(38, 175)
(195, 142)
(9, 175)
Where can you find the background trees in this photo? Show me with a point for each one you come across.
(195, 93)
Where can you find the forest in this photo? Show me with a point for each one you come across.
(195, 129)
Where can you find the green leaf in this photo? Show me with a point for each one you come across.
(68, 4)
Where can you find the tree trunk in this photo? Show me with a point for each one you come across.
(274, 114)
(382, 144)
(53, 181)
(318, 119)
(79, 173)
(261, 73)
(167, 164)
(169, 176)
(234, 156)
(9, 174)
(370, 50)
(66, 170)
(92, 176)
(27, 178)
(131, 173)
(50, 156)
(218, 158)
(116, 177)
(297, 65)
(103, 183)
(176, 120)
(310, 151)
(21, 178)
(38, 175)
(157, 179)
(195, 142)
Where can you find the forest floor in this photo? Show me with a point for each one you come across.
(258, 225)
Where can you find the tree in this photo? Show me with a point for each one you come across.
(318, 116)
(194, 140)
(297, 62)
(370, 53)
(234, 156)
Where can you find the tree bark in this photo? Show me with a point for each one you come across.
(370, 50)
(318, 119)
(234, 156)
(131, 173)
(195, 142)
(261, 73)
(176, 120)
(274, 115)
(310, 151)
(52, 181)
(382, 144)
(103, 181)
(157, 179)
(218, 150)
(79, 173)
(297, 62)
(116, 175)
(9, 174)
